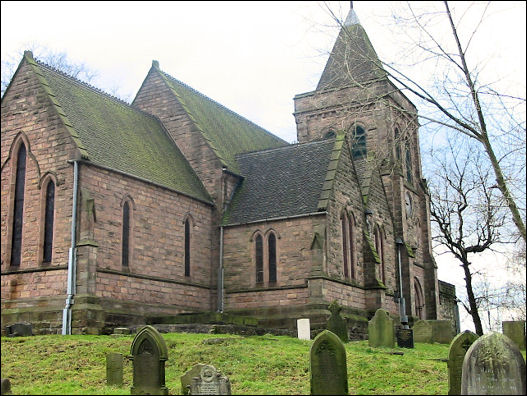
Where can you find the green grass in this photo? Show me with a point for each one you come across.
(63, 365)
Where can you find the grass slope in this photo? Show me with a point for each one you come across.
(76, 365)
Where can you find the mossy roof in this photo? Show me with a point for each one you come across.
(227, 133)
(353, 60)
(115, 135)
(281, 182)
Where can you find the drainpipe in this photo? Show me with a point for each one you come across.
(402, 305)
(66, 314)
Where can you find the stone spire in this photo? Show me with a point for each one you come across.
(353, 61)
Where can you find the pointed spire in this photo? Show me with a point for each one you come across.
(353, 60)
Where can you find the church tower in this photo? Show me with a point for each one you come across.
(355, 96)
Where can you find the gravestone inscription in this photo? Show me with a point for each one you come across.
(149, 354)
(114, 369)
(458, 348)
(186, 379)
(336, 324)
(304, 329)
(329, 373)
(515, 330)
(493, 365)
(381, 330)
(210, 382)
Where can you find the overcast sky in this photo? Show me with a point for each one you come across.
(252, 57)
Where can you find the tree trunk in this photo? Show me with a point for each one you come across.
(471, 299)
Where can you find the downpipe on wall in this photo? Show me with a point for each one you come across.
(72, 257)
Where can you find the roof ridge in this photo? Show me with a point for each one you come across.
(220, 105)
(286, 147)
(83, 83)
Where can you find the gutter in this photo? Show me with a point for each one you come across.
(72, 260)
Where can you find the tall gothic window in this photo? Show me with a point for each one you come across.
(18, 211)
(272, 258)
(187, 248)
(48, 222)
(358, 148)
(351, 230)
(126, 235)
(409, 165)
(345, 238)
(259, 258)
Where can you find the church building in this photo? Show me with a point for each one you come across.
(114, 214)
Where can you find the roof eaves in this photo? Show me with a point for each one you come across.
(28, 56)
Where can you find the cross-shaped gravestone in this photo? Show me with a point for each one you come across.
(336, 324)
(149, 354)
(458, 348)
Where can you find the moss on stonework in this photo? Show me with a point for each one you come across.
(372, 247)
(409, 250)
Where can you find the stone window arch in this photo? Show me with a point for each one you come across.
(419, 307)
(19, 176)
(47, 218)
(271, 257)
(127, 232)
(258, 256)
(358, 142)
(187, 237)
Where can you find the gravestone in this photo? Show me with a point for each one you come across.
(422, 331)
(442, 331)
(381, 330)
(6, 386)
(149, 354)
(210, 382)
(186, 379)
(458, 348)
(19, 330)
(114, 369)
(336, 324)
(329, 373)
(304, 329)
(405, 338)
(493, 365)
(515, 330)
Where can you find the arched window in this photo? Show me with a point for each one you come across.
(409, 170)
(126, 234)
(351, 230)
(358, 148)
(272, 257)
(258, 244)
(18, 210)
(49, 214)
(345, 238)
(419, 300)
(187, 247)
(379, 246)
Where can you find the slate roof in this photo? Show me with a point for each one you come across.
(115, 135)
(282, 182)
(353, 59)
(227, 132)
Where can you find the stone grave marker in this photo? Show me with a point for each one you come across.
(458, 348)
(405, 338)
(515, 330)
(336, 324)
(19, 330)
(329, 373)
(304, 329)
(493, 365)
(442, 331)
(381, 330)
(422, 331)
(6, 386)
(114, 369)
(149, 354)
(186, 379)
(210, 382)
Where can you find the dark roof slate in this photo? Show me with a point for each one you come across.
(282, 182)
(227, 133)
(115, 135)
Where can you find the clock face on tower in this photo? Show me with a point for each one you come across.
(408, 205)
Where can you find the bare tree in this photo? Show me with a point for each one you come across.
(467, 212)
(457, 97)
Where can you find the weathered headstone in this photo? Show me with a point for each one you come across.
(304, 329)
(149, 354)
(442, 331)
(458, 348)
(381, 330)
(186, 379)
(336, 324)
(329, 373)
(493, 365)
(405, 338)
(422, 331)
(6, 386)
(19, 330)
(210, 382)
(114, 369)
(515, 330)
(121, 330)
